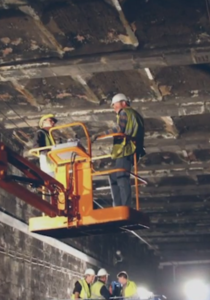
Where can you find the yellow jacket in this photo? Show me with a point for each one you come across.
(130, 290)
(85, 292)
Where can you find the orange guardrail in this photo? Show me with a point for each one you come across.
(73, 125)
(36, 152)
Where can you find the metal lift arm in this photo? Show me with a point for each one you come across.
(33, 175)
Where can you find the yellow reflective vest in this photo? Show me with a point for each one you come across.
(48, 141)
(95, 290)
(46, 164)
(130, 290)
(134, 130)
(85, 292)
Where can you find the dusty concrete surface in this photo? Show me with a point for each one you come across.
(75, 28)
(168, 23)
(33, 269)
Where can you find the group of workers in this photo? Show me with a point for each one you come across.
(130, 123)
(89, 288)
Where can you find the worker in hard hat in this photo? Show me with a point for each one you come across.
(42, 139)
(82, 288)
(131, 124)
(99, 289)
(115, 289)
(129, 288)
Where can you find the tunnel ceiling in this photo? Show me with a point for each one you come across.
(69, 57)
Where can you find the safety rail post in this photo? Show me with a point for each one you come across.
(136, 181)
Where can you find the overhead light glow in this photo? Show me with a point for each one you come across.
(143, 293)
(196, 290)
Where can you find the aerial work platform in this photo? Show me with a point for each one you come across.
(100, 221)
(70, 211)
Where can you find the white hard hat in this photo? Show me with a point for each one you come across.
(102, 272)
(122, 272)
(90, 272)
(118, 98)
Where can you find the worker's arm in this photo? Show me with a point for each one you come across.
(105, 293)
(123, 119)
(39, 140)
(77, 290)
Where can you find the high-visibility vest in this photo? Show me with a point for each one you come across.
(95, 290)
(46, 164)
(130, 290)
(135, 130)
(85, 292)
(48, 141)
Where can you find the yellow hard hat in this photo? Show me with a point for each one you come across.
(47, 117)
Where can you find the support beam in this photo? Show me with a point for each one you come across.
(197, 168)
(10, 3)
(185, 254)
(91, 96)
(103, 113)
(179, 218)
(154, 207)
(176, 227)
(184, 246)
(162, 191)
(169, 126)
(160, 171)
(118, 61)
(180, 239)
(183, 232)
(158, 145)
(175, 145)
(130, 39)
(149, 80)
(183, 263)
(179, 190)
(168, 206)
(176, 107)
(28, 10)
(152, 144)
(28, 96)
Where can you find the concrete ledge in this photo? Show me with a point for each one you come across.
(12, 222)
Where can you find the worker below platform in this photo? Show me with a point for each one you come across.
(129, 288)
(115, 289)
(131, 124)
(42, 139)
(82, 288)
(99, 289)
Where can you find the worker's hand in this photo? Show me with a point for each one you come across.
(93, 138)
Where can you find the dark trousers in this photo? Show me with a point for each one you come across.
(120, 182)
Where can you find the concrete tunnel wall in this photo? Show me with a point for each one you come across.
(36, 267)
(33, 267)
